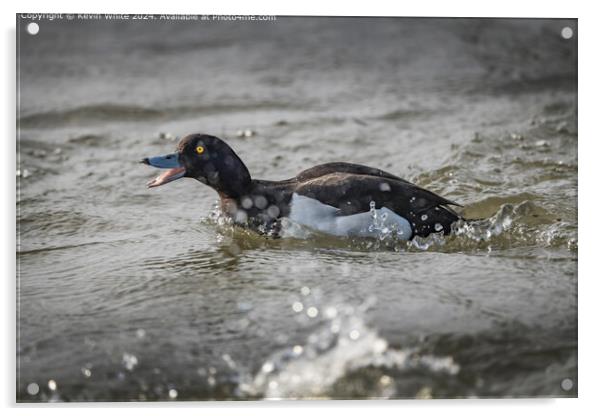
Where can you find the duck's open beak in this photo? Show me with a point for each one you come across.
(170, 162)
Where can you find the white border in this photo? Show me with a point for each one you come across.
(590, 133)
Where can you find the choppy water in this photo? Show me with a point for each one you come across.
(127, 293)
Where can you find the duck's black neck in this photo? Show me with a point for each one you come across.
(233, 178)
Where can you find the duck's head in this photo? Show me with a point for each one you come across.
(207, 159)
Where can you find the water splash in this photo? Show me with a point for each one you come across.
(484, 230)
(227, 223)
(520, 224)
(341, 345)
(384, 230)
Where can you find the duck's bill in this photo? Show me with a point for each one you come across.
(170, 162)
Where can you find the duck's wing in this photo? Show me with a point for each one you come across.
(344, 167)
(352, 194)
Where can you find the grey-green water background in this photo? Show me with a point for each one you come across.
(126, 293)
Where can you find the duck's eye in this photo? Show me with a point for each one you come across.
(200, 149)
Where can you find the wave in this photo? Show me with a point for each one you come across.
(342, 345)
(94, 113)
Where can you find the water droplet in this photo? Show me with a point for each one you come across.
(412, 199)
(33, 28)
(566, 384)
(380, 345)
(260, 202)
(354, 334)
(23, 173)
(166, 136)
(229, 361)
(130, 361)
(273, 211)
(438, 227)
(305, 291)
(330, 312)
(385, 187)
(297, 306)
(33, 389)
(52, 385)
(566, 33)
(385, 380)
(140, 333)
(424, 217)
(312, 312)
(297, 350)
(246, 202)
(86, 372)
(173, 393)
(267, 367)
(241, 216)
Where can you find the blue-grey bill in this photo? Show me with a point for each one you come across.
(170, 162)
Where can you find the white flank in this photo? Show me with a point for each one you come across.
(321, 217)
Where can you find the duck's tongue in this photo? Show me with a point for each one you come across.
(167, 176)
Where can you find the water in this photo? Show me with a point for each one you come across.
(127, 293)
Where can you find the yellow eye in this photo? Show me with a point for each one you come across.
(200, 149)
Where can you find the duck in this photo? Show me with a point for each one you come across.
(337, 198)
